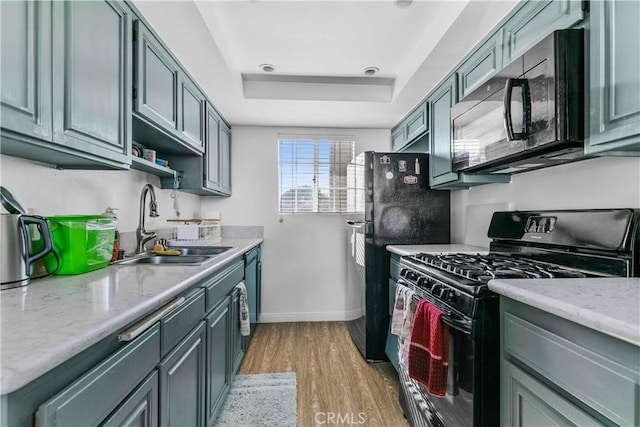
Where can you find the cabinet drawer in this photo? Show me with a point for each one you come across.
(176, 324)
(565, 364)
(221, 284)
(90, 399)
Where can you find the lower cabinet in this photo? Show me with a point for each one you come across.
(140, 409)
(237, 349)
(218, 358)
(544, 361)
(176, 373)
(253, 282)
(182, 382)
(92, 398)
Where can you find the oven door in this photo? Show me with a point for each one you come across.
(456, 408)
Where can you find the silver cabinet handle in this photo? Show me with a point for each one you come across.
(139, 327)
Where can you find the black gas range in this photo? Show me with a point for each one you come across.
(524, 245)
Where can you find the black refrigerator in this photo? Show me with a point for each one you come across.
(393, 205)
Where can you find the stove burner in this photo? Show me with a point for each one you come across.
(482, 268)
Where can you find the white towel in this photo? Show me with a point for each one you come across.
(398, 310)
(407, 325)
(243, 310)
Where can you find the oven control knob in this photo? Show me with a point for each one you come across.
(435, 290)
(403, 272)
(422, 282)
(449, 295)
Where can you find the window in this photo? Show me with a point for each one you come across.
(313, 173)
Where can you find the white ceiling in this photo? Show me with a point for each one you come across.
(320, 49)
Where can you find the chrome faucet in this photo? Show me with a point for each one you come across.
(143, 236)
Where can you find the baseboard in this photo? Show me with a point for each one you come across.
(327, 316)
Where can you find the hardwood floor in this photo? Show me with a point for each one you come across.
(335, 384)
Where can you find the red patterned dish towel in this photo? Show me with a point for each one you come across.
(429, 349)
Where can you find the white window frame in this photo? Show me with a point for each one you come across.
(339, 207)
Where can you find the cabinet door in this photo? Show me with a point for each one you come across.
(94, 396)
(483, 63)
(440, 152)
(528, 402)
(140, 409)
(157, 77)
(236, 339)
(225, 158)
(25, 57)
(191, 113)
(251, 282)
(418, 122)
(212, 153)
(218, 359)
(92, 78)
(182, 382)
(398, 137)
(615, 87)
(534, 21)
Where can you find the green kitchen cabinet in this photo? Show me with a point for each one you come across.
(225, 158)
(25, 56)
(191, 113)
(253, 282)
(168, 107)
(218, 358)
(237, 350)
(182, 382)
(441, 174)
(140, 409)
(614, 66)
(544, 359)
(94, 396)
(207, 175)
(534, 20)
(55, 109)
(412, 127)
(481, 65)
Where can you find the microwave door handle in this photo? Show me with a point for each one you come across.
(508, 120)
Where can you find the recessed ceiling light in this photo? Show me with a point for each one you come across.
(370, 71)
(267, 68)
(402, 3)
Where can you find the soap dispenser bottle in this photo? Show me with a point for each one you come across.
(116, 239)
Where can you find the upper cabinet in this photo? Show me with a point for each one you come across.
(414, 126)
(536, 19)
(614, 92)
(209, 175)
(483, 63)
(168, 107)
(26, 69)
(54, 109)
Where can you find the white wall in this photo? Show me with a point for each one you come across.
(50, 191)
(589, 184)
(304, 255)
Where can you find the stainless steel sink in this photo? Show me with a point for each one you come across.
(200, 250)
(166, 259)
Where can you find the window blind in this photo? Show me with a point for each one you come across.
(313, 173)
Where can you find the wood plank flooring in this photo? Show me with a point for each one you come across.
(335, 384)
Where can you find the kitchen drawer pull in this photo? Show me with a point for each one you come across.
(144, 324)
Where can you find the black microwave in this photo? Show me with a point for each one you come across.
(529, 115)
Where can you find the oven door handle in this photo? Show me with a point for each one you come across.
(457, 324)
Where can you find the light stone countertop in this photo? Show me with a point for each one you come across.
(53, 319)
(607, 305)
(436, 249)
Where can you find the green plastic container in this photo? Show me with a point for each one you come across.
(82, 243)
